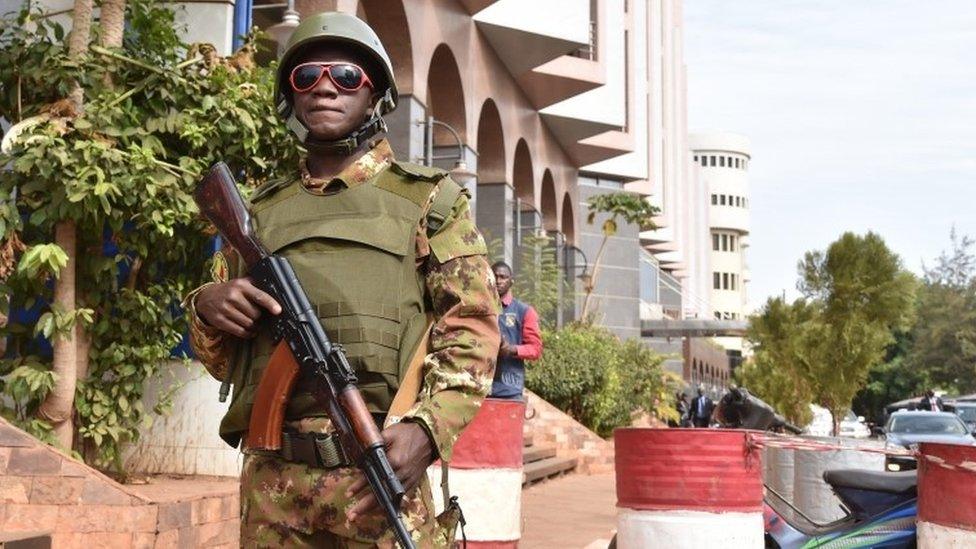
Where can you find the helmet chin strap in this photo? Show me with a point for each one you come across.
(350, 143)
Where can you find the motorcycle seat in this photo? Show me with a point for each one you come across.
(901, 483)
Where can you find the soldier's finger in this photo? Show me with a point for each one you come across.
(261, 298)
(245, 306)
(236, 322)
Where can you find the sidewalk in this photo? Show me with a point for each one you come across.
(570, 512)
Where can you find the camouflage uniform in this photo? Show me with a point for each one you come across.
(292, 504)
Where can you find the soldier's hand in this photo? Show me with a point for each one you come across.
(234, 306)
(410, 451)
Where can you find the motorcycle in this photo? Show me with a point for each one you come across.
(880, 507)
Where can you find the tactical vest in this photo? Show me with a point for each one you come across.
(354, 252)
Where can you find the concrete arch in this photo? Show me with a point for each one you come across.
(389, 19)
(491, 145)
(523, 174)
(445, 95)
(567, 221)
(547, 196)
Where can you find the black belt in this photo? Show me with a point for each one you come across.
(319, 450)
(322, 451)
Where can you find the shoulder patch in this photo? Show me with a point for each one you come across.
(417, 171)
(459, 236)
(268, 188)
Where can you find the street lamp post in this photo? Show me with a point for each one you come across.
(460, 172)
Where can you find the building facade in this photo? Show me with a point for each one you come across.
(723, 161)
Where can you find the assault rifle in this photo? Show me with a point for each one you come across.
(303, 349)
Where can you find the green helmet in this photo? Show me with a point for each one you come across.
(336, 27)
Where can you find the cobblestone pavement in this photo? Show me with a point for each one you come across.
(575, 511)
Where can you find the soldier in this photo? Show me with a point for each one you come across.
(381, 246)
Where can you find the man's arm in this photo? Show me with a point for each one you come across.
(212, 347)
(531, 347)
(464, 339)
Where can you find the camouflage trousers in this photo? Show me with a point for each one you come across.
(286, 504)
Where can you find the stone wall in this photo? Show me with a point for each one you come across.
(45, 493)
(550, 426)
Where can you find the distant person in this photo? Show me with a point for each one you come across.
(931, 403)
(519, 326)
(701, 409)
(684, 410)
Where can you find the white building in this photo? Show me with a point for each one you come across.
(723, 160)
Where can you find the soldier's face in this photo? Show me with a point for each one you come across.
(329, 112)
(503, 280)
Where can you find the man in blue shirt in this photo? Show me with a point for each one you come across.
(519, 326)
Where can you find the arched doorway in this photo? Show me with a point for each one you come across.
(445, 96)
(547, 195)
(389, 20)
(567, 222)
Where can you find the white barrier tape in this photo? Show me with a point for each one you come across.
(758, 441)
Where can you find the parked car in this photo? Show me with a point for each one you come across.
(966, 410)
(906, 429)
(823, 426)
(854, 427)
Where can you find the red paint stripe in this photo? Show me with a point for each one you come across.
(491, 544)
(690, 469)
(493, 440)
(946, 496)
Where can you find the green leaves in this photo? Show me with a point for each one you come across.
(597, 379)
(630, 207)
(821, 347)
(42, 260)
(125, 171)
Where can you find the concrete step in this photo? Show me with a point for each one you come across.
(546, 468)
(537, 453)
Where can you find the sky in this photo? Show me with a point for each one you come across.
(862, 116)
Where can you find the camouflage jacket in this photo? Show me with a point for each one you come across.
(464, 338)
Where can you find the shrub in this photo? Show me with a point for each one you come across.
(587, 372)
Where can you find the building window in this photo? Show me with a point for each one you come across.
(732, 241)
(696, 158)
(737, 162)
(721, 199)
(721, 161)
(725, 281)
(715, 242)
(725, 242)
(717, 281)
(718, 315)
(732, 278)
(711, 161)
(714, 200)
(730, 161)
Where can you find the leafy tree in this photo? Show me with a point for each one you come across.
(944, 336)
(629, 207)
(863, 295)
(776, 372)
(856, 296)
(890, 381)
(121, 171)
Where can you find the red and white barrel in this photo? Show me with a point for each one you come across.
(687, 488)
(486, 475)
(946, 496)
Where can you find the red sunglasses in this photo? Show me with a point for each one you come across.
(346, 76)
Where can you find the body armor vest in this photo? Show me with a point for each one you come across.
(354, 252)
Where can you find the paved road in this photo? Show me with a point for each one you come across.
(571, 512)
